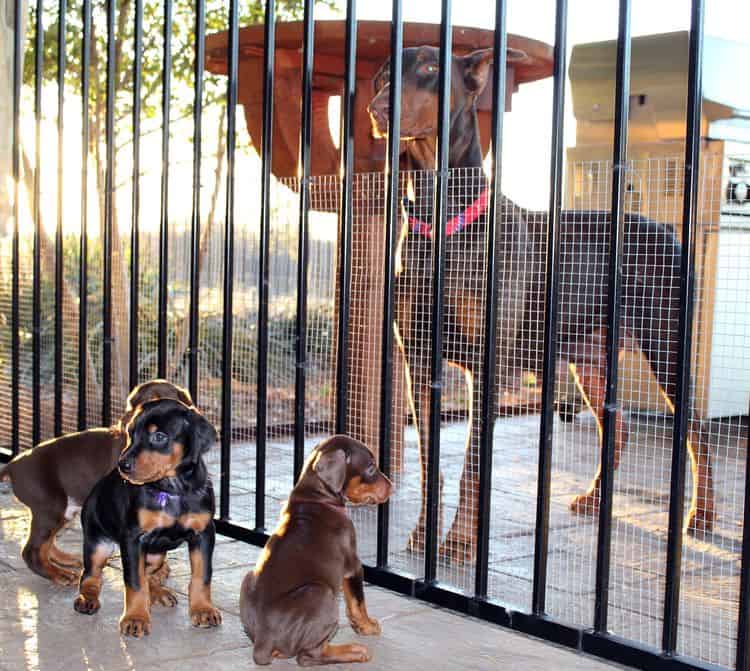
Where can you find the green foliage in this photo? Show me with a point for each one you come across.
(183, 39)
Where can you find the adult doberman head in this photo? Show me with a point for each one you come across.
(420, 83)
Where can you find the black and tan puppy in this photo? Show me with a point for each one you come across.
(289, 603)
(55, 478)
(159, 497)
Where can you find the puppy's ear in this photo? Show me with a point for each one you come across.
(382, 76)
(183, 395)
(202, 433)
(330, 467)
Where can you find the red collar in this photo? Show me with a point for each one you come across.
(455, 224)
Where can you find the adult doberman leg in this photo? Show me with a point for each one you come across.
(591, 380)
(460, 543)
(701, 515)
(158, 593)
(664, 366)
(419, 395)
(95, 556)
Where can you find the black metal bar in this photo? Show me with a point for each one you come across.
(62, 9)
(166, 94)
(195, 222)
(266, 155)
(742, 661)
(546, 424)
(305, 139)
(391, 222)
(135, 249)
(14, 310)
(438, 281)
(346, 212)
(108, 212)
(682, 404)
(619, 158)
(226, 345)
(83, 250)
(36, 310)
(487, 383)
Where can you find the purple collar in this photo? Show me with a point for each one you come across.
(162, 498)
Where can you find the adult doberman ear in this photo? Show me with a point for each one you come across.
(203, 435)
(330, 467)
(477, 67)
(382, 76)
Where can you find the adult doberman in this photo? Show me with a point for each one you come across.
(650, 284)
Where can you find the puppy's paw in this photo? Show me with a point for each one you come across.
(86, 605)
(366, 626)
(205, 616)
(161, 595)
(135, 625)
(359, 653)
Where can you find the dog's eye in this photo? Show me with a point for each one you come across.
(159, 438)
(428, 69)
(370, 470)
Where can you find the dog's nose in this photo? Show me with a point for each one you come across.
(125, 465)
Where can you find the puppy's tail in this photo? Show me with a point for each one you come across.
(5, 472)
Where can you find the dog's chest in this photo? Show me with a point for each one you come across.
(170, 518)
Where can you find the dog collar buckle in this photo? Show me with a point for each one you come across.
(163, 498)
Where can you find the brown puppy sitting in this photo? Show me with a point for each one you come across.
(289, 603)
(55, 477)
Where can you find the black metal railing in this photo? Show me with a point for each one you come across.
(476, 601)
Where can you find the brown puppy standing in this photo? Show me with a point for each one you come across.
(289, 603)
(55, 477)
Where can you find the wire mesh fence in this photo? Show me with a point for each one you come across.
(711, 558)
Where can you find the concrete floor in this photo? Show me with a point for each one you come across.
(40, 630)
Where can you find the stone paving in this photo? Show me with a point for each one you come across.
(39, 630)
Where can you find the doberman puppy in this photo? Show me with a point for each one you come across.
(650, 289)
(158, 497)
(55, 478)
(289, 603)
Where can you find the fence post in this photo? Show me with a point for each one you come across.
(59, 258)
(611, 407)
(302, 252)
(551, 267)
(83, 289)
(488, 383)
(682, 406)
(391, 219)
(226, 347)
(266, 154)
(136, 195)
(438, 282)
